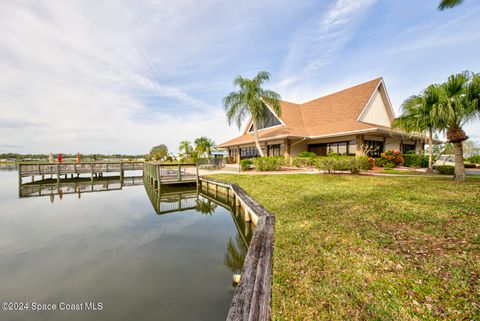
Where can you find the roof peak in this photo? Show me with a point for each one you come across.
(376, 80)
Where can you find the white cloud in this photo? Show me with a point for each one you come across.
(75, 78)
(318, 41)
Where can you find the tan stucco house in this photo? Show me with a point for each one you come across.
(345, 122)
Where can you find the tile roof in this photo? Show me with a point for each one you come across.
(328, 115)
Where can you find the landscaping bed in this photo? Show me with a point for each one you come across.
(372, 248)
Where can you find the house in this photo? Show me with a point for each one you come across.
(352, 121)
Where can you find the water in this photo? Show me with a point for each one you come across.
(128, 248)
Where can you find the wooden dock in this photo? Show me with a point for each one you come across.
(159, 174)
(94, 169)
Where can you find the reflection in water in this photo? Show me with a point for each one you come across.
(52, 187)
(178, 198)
(116, 248)
(236, 253)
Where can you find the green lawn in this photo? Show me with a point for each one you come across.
(372, 248)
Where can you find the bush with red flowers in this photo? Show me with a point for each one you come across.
(392, 156)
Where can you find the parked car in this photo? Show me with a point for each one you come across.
(449, 160)
(445, 160)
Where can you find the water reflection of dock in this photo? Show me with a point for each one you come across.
(182, 198)
(51, 187)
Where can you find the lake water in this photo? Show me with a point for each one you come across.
(128, 248)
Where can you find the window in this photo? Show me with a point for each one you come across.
(248, 152)
(269, 121)
(341, 148)
(274, 150)
(408, 148)
(373, 148)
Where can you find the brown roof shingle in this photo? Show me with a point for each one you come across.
(334, 113)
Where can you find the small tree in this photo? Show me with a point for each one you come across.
(204, 145)
(159, 152)
(459, 105)
(251, 100)
(185, 148)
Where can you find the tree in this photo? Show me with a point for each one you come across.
(417, 116)
(204, 145)
(448, 4)
(185, 147)
(158, 152)
(251, 100)
(459, 105)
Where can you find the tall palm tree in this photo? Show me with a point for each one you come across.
(251, 100)
(459, 106)
(448, 4)
(204, 145)
(185, 147)
(417, 116)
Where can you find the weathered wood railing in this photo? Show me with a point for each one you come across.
(160, 173)
(253, 295)
(28, 169)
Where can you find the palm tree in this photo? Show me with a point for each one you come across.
(458, 107)
(448, 4)
(185, 146)
(204, 145)
(417, 116)
(251, 100)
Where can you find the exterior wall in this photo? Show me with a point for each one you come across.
(392, 143)
(297, 146)
(293, 147)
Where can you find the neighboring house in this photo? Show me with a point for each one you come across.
(347, 122)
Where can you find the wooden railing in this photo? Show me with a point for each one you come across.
(253, 295)
(28, 169)
(171, 173)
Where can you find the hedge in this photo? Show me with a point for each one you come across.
(445, 169)
(268, 163)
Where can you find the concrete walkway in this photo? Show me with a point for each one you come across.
(235, 170)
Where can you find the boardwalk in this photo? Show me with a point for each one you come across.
(158, 173)
(91, 168)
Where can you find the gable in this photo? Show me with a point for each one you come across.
(376, 111)
(271, 120)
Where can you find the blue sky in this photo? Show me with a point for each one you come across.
(122, 76)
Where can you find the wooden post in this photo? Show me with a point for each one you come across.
(179, 172)
(121, 172)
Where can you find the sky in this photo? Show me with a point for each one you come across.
(122, 76)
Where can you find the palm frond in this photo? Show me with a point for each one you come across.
(448, 4)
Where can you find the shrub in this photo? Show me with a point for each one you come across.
(371, 162)
(392, 156)
(389, 165)
(307, 154)
(445, 169)
(332, 154)
(268, 163)
(343, 163)
(415, 160)
(303, 161)
(326, 164)
(475, 159)
(378, 162)
(245, 164)
(468, 165)
(361, 163)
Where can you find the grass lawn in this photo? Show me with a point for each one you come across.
(372, 248)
